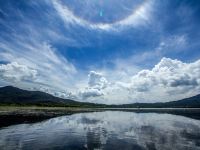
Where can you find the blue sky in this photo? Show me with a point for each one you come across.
(103, 51)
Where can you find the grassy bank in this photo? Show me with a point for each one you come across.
(28, 110)
(10, 115)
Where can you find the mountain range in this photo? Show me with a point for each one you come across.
(10, 95)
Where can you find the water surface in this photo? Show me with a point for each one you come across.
(109, 130)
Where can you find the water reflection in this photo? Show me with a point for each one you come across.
(105, 130)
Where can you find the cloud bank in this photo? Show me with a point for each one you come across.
(14, 72)
(166, 81)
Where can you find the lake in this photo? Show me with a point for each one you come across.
(109, 130)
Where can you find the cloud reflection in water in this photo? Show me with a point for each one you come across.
(105, 130)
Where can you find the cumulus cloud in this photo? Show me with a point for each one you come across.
(167, 77)
(154, 85)
(89, 93)
(96, 80)
(169, 74)
(96, 83)
(14, 72)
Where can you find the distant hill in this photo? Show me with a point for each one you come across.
(14, 96)
(191, 102)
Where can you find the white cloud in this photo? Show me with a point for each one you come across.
(168, 76)
(96, 80)
(139, 16)
(168, 80)
(89, 93)
(168, 73)
(14, 72)
(96, 83)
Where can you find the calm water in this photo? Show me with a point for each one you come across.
(111, 130)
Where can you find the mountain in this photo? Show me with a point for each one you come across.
(187, 102)
(191, 102)
(15, 96)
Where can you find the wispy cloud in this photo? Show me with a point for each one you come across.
(139, 16)
(53, 69)
(27, 45)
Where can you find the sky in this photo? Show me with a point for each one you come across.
(102, 51)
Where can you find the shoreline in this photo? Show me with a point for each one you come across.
(11, 115)
(55, 111)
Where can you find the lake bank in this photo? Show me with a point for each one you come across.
(10, 115)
